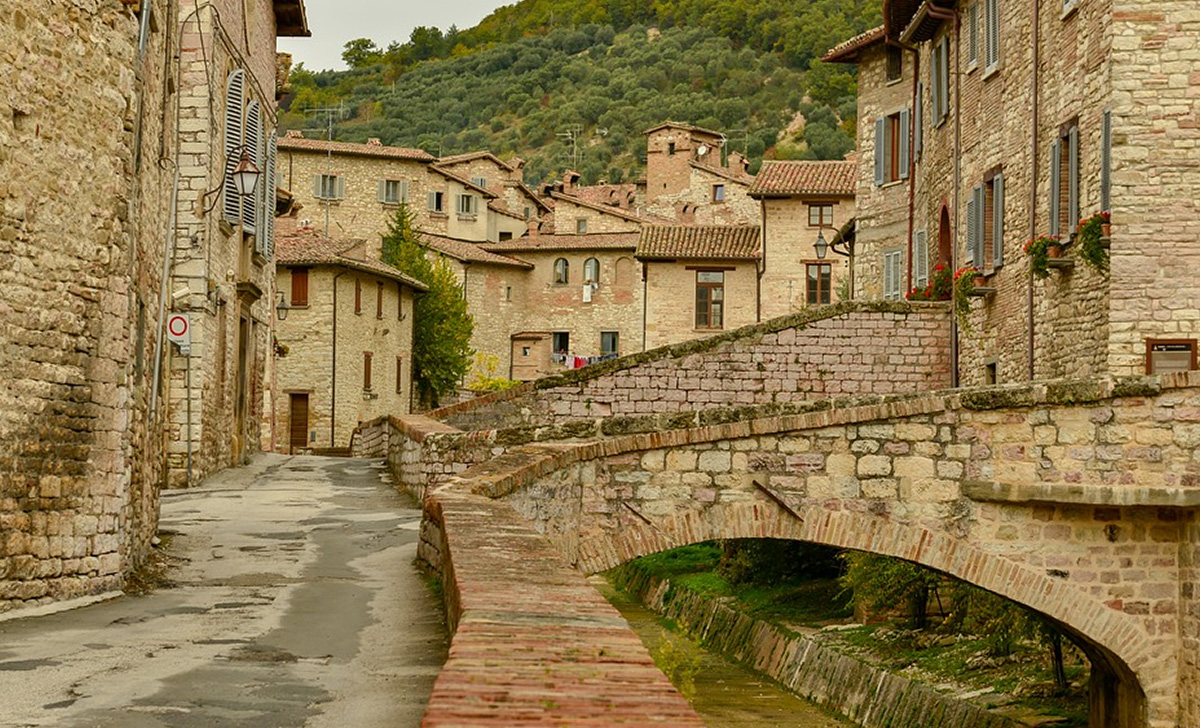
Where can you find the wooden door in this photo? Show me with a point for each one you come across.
(298, 422)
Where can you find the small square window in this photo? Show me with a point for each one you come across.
(820, 214)
(895, 63)
(718, 193)
(581, 226)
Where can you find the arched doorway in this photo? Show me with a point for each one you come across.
(945, 243)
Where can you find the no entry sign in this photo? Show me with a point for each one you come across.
(179, 330)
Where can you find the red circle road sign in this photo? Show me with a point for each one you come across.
(177, 325)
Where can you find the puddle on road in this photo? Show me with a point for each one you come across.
(726, 695)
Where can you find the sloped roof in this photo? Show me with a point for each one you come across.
(606, 209)
(471, 157)
(733, 175)
(469, 252)
(594, 241)
(720, 242)
(462, 181)
(847, 51)
(306, 246)
(291, 21)
(300, 144)
(606, 194)
(790, 178)
(685, 127)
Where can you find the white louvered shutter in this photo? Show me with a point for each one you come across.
(381, 193)
(880, 135)
(254, 146)
(1106, 161)
(919, 123)
(1073, 179)
(921, 258)
(998, 221)
(992, 35)
(340, 185)
(404, 191)
(235, 88)
(269, 198)
(972, 227)
(1055, 185)
(905, 125)
(431, 201)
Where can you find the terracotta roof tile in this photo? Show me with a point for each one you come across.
(733, 175)
(469, 252)
(847, 50)
(606, 209)
(607, 195)
(723, 242)
(301, 144)
(594, 241)
(784, 179)
(471, 157)
(306, 246)
(685, 127)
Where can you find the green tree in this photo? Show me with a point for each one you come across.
(880, 582)
(361, 52)
(442, 327)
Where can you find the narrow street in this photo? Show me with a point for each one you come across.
(293, 601)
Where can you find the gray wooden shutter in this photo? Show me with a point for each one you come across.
(935, 83)
(1055, 184)
(919, 122)
(317, 186)
(381, 191)
(1073, 180)
(254, 146)
(1106, 161)
(998, 221)
(973, 33)
(921, 258)
(980, 223)
(944, 68)
(972, 227)
(992, 35)
(404, 191)
(340, 193)
(879, 150)
(431, 201)
(231, 203)
(904, 143)
(269, 197)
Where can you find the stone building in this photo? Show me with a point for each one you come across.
(343, 344)
(801, 201)
(88, 233)
(692, 179)
(698, 280)
(1010, 121)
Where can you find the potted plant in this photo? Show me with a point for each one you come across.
(964, 288)
(1092, 242)
(1041, 249)
(938, 288)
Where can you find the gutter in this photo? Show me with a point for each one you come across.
(1033, 177)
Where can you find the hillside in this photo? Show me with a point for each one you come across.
(578, 96)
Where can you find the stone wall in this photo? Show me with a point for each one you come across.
(695, 204)
(850, 348)
(868, 696)
(788, 249)
(567, 212)
(671, 298)
(82, 209)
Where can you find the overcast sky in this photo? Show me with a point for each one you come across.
(333, 22)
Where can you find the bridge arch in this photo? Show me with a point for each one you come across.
(1117, 649)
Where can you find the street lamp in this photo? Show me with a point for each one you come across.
(822, 248)
(282, 308)
(245, 175)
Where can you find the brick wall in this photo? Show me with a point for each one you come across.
(852, 348)
(82, 210)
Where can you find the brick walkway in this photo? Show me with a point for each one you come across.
(535, 644)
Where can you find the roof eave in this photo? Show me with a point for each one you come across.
(291, 20)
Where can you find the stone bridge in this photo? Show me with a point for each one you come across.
(1077, 499)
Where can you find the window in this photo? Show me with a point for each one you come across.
(379, 299)
(367, 371)
(591, 271)
(1068, 5)
(820, 214)
(562, 270)
(561, 341)
(399, 375)
(939, 81)
(299, 287)
(891, 275)
(467, 205)
(479, 182)
(895, 63)
(985, 224)
(435, 201)
(609, 342)
(393, 191)
(973, 35)
(891, 148)
(718, 193)
(357, 296)
(399, 302)
(710, 299)
(505, 237)
(671, 148)
(920, 259)
(991, 35)
(528, 212)
(508, 293)
(328, 187)
(1064, 182)
(819, 275)
(581, 226)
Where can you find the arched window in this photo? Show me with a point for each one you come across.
(561, 271)
(591, 271)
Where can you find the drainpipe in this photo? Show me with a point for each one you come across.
(333, 374)
(951, 15)
(645, 300)
(912, 160)
(1033, 176)
(762, 266)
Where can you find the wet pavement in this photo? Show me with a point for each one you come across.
(295, 602)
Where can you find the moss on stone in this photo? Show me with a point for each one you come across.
(1075, 391)
(1136, 387)
(511, 436)
(623, 425)
(989, 398)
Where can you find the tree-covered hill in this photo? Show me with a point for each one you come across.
(569, 92)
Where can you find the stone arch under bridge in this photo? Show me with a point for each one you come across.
(1077, 500)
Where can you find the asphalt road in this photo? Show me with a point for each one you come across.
(294, 602)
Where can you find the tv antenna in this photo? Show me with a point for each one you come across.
(571, 135)
(329, 111)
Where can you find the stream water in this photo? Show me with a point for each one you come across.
(725, 695)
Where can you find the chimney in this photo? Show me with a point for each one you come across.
(374, 142)
(570, 178)
(294, 134)
(738, 162)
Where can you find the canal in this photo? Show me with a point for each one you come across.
(725, 695)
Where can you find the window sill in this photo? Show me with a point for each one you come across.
(394, 205)
(972, 67)
(709, 328)
(467, 217)
(989, 73)
(438, 214)
(1070, 10)
(893, 81)
(892, 183)
(329, 200)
